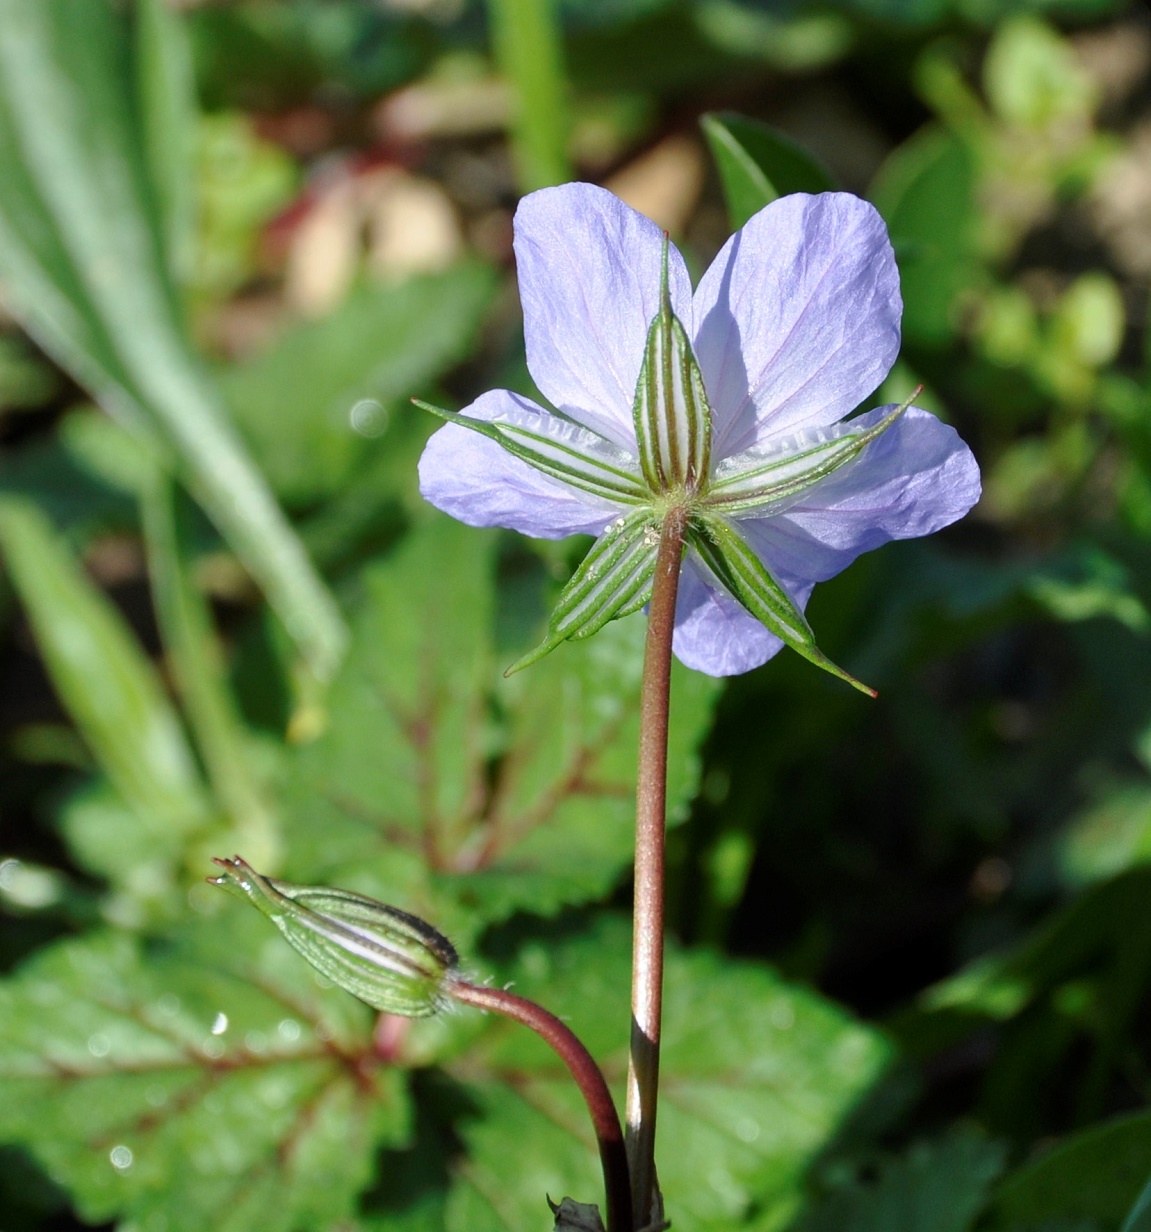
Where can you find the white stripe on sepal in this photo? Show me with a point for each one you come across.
(671, 411)
(577, 467)
(765, 479)
(614, 579)
(735, 566)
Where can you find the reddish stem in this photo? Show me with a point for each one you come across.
(651, 816)
(588, 1077)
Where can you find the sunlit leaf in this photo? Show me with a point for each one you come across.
(205, 1083)
(103, 677)
(447, 790)
(82, 257)
(926, 194)
(758, 163)
(756, 1076)
(324, 395)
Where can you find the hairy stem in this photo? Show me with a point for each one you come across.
(651, 818)
(588, 1078)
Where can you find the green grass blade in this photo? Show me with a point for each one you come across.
(82, 256)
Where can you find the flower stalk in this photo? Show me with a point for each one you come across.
(650, 845)
(587, 1076)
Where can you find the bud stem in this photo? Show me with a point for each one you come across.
(651, 817)
(588, 1077)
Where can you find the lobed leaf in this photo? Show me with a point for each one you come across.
(457, 794)
(204, 1083)
(756, 1076)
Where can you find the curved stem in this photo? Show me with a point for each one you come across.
(588, 1078)
(650, 820)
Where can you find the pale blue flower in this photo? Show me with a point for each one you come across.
(795, 323)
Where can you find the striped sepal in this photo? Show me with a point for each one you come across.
(744, 576)
(614, 580)
(672, 415)
(764, 479)
(592, 467)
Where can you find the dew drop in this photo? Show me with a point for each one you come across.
(369, 417)
(99, 1045)
(121, 1157)
(289, 1029)
(256, 1041)
(220, 1025)
(782, 1016)
(747, 1130)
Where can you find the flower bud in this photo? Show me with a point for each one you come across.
(386, 957)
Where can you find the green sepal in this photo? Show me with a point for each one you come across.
(392, 960)
(614, 580)
(784, 476)
(740, 571)
(555, 459)
(671, 410)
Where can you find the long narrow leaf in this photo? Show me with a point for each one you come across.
(102, 677)
(193, 651)
(82, 257)
(165, 88)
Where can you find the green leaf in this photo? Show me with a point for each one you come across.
(82, 258)
(167, 101)
(926, 193)
(203, 1083)
(742, 574)
(103, 678)
(321, 398)
(935, 1187)
(593, 465)
(758, 163)
(197, 663)
(756, 1077)
(1097, 1175)
(671, 411)
(462, 796)
(613, 580)
(1139, 1220)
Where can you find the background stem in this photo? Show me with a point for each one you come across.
(651, 816)
(528, 47)
(588, 1077)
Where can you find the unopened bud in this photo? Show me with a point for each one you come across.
(392, 960)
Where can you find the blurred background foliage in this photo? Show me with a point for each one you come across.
(911, 945)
